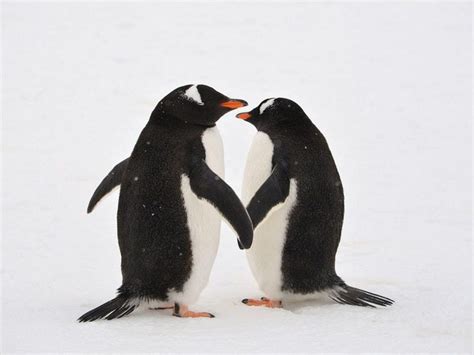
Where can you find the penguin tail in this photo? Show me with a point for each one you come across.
(345, 294)
(116, 308)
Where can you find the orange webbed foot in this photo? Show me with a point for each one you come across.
(262, 302)
(183, 311)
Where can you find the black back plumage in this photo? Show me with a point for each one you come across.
(315, 223)
(152, 224)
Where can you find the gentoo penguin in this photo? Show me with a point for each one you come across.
(295, 199)
(170, 198)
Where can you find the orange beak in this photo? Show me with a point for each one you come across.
(233, 104)
(244, 115)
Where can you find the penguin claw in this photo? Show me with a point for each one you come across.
(265, 302)
(182, 311)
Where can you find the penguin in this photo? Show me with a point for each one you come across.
(294, 196)
(172, 192)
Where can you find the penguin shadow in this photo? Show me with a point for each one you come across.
(308, 306)
(149, 311)
(302, 306)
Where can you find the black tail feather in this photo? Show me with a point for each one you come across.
(350, 295)
(116, 308)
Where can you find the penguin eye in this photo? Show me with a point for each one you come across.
(266, 105)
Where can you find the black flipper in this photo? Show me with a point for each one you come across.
(113, 179)
(356, 297)
(118, 307)
(207, 185)
(273, 191)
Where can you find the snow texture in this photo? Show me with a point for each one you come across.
(389, 84)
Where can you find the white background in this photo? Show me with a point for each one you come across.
(388, 84)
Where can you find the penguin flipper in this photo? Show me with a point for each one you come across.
(113, 179)
(273, 191)
(208, 185)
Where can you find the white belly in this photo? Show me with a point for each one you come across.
(265, 255)
(203, 222)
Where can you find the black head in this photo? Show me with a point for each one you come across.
(196, 104)
(273, 111)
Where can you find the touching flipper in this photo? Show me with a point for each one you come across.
(207, 185)
(273, 192)
(113, 179)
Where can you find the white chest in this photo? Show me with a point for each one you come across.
(203, 223)
(258, 166)
(212, 141)
(265, 255)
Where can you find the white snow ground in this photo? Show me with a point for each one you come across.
(388, 84)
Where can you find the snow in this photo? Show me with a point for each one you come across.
(388, 84)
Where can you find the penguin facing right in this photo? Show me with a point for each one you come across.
(295, 199)
(170, 198)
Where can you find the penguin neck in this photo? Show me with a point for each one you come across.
(278, 128)
(166, 119)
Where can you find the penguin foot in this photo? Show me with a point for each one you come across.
(265, 302)
(183, 311)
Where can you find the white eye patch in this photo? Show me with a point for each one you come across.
(193, 94)
(266, 105)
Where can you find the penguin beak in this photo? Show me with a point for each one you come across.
(233, 103)
(244, 115)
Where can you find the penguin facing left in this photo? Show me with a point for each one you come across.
(295, 199)
(170, 198)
